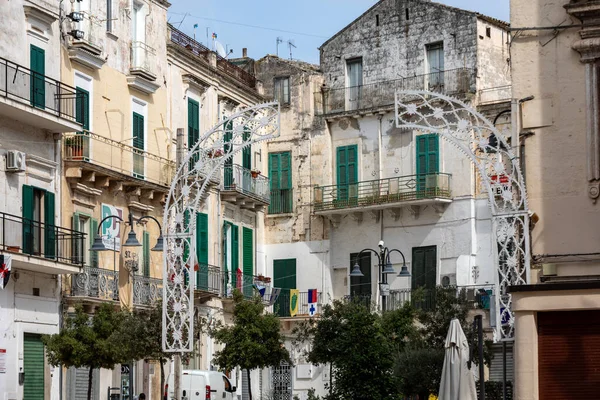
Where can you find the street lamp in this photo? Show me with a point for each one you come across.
(385, 266)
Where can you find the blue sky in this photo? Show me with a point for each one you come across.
(256, 24)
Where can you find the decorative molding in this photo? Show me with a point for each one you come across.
(40, 15)
(335, 219)
(396, 213)
(137, 206)
(193, 82)
(415, 211)
(357, 217)
(142, 84)
(594, 191)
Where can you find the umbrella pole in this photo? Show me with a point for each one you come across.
(479, 322)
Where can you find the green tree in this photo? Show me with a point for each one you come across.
(253, 341)
(86, 341)
(419, 371)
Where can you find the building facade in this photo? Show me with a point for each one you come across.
(555, 78)
(36, 108)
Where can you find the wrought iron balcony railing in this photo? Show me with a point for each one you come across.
(425, 299)
(96, 283)
(98, 150)
(146, 290)
(283, 303)
(383, 191)
(209, 279)
(282, 201)
(21, 235)
(242, 180)
(382, 94)
(143, 59)
(38, 91)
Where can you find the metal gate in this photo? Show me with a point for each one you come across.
(282, 381)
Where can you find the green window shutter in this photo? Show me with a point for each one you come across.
(82, 104)
(37, 79)
(138, 131)
(33, 367)
(347, 170)
(424, 267)
(286, 170)
(248, 260)
(421, 154)
(284, 277)
(146, 253)
(193, 123)
(202, 250)
(235, 254)
(274, 162)
(93, 232)
(228, 164)
(247, 151)
(433, 156)
(76, 243)
(428, 157)
(27, 206)
(352, 154)
(342, 173)
(50, 228)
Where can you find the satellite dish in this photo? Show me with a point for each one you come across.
(220, 49)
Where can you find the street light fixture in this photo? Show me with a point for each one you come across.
(131, 237)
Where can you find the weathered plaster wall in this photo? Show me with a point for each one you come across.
(493, 54)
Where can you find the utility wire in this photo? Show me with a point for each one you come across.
(251, 26)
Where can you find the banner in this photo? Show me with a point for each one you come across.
(294, 299)
(274, 295)
(5, 267)
(312, 302)
(111, 228)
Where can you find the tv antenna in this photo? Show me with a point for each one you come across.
(279, 40)
(290, 45)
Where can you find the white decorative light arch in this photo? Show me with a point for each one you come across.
(501, 179)
(187, 194)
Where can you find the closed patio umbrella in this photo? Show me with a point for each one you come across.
(458, 382)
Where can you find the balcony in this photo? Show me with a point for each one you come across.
(209, 282)
(142, 70)
(381, 95)
(89, 50)
(392, 193)
(146, 291)
(281, 307)
(244, 187)
(282, 201)
(96, 284)
(38, 247)
(37, 100)
(424, 299)
(91, 158)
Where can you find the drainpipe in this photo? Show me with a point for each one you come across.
(57, 187)
(383, 277)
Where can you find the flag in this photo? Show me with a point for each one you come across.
(312, 296)
(294, 297)
(214, 35)
(195, 26)
(5, 266)
(274, 295)
(261, 289)
(239, 280)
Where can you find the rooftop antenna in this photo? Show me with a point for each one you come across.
(181, 22)
(279, 40)
(290, 45)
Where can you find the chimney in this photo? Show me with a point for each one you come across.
(244, 52)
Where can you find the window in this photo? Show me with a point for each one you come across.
(428, 164)
(435, 65)
(407, 14)
(227, 384)
(39, 232)
(281, 90)
(354, 81)
(89, 226)
(82, 104)
(37, 65)
(360, 286)
(347, 173)
(488, 32)
(280, 175)
(424, 274)
(377, 20)
(193, 123)
(231, 254)
(138, 144)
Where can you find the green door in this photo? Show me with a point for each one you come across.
(360, 286)
(428, 163)
(138, 143)
(37, 80)
(193, 128)
(424, 274)
(284, 277)
(347, 175)
(33, 367)
(228, 165)
(202, 251)
(248, 260)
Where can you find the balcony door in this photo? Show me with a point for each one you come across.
(80, 145)
(39, 232)
(37, 83)
(347, 175)
(284, 277)
(428, 164)
(228, 181)
(354, 81)
(424, 274)
(248, 260)
(202, 251)
(247, 181)
(280, 176)
(435, 66)
(360, 286)
(138, 144)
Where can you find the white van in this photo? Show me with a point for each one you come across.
(202, 385)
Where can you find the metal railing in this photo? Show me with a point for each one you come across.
(382, 94)
(146, 290)
(96, 283)
(383, 191)
(39, 91)
(282, 201)
(20, 235)
(209, 279)
(223, 65)
(243, 180)
(119, 157)
(281, 307)
(92, 28)
(424, 299)
(143, 58)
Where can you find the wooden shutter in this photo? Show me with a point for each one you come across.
(433, 157)
(568, 354)
(82, 104)
(347, 170)
(424, 267)
(285, 174)
(247, 151)
(274, 162)
(235, 252)
(27, 214)
(342, 172)
(33, 366)
(146, 253)
(76, 242)
(248, 260)
(284, 277)
(193, 123)
(202, 250)
(37, 80)
(50, 228)
(93, 254)
(361, 285)
(138, 131)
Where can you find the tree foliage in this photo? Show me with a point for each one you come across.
(86, 341)
(253, 341)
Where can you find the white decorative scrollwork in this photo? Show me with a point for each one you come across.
(501, 178)
(187, 193)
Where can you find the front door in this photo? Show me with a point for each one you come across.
(347, 175)
(33, 367)
(284, 277)
(37, 80)
(281, 380)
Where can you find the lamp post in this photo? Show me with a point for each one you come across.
(385, 267)
(131, 241)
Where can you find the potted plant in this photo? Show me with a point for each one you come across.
(74, 146)
(255, 173)
(215, 153)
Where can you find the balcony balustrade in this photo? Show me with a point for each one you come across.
(146, 291)
(96, 283)
(282, 201)
(247, 188)
(281, 307)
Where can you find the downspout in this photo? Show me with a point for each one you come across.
(382, 277)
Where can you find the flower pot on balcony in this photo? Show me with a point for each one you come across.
(254, 174)
(13, 249)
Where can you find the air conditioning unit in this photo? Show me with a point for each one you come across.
(15, 161)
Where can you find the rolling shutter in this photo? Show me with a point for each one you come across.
(496, 368)
(248, 260)
(33, 366)
(77, 383)
(569, 355)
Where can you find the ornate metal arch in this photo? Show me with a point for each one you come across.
(500, 177)
(187, 194)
